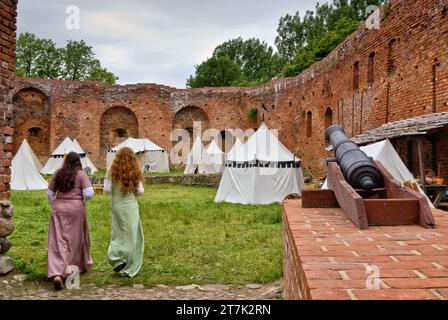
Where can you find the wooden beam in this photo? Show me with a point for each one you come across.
(409, 155)
(421, 161)
(433, 140)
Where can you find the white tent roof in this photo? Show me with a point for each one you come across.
(25, 170)
(56, 159)
(89, 163)
(138, 145)
(66, 147)
(235, 146)
(213, 148)
(200, 159)
(196, 153)
(262, 146)
(76, 143)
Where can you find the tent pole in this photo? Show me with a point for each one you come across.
(421, 164)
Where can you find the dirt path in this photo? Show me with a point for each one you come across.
(16, 287)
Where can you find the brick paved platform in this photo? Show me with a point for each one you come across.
(326, 257)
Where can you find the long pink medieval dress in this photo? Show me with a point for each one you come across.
(68, 234)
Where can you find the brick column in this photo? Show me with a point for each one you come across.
(8, 13)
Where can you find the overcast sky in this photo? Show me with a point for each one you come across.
(156, 41)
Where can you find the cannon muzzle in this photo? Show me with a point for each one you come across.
(358, 169)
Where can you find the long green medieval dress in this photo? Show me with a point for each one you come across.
(127, 241)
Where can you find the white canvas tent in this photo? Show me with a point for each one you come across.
(89, 163)
(199, 160)
(56, 159)
(152, 157)
(262, 171)
(235, 147)
(25, 169)
(217, 156)
(385, 153)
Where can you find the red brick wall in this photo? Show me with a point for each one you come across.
(8, 11)
(294, 278)
(410, 78)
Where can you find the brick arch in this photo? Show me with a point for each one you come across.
(116, 125)
(185, 118)
(35, 85)
(32, 121)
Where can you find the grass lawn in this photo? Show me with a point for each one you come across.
(188, 238)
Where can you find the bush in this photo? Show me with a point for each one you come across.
(252, 114)
(320, 48)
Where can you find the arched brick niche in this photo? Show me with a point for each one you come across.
(116, 125)
(186, 117)
(309, 124)
(32, 118)
(328, 118)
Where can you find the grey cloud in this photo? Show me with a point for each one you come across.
(156, 41)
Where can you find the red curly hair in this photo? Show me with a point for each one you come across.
(126, 171)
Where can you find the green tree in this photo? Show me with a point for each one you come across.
(320, 48)
(290, 36)
(215, 72)
(257, 61)
(76, 61)
(37, 57)
(343, 28)
(360, 7)
(78, 57)
(98, 73)
(304, 58)
(320, 31)
(239, 63)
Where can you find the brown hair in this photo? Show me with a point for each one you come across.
(126, 171)
(66, 176)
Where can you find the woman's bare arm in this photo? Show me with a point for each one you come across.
(140, 189)
(107, 188)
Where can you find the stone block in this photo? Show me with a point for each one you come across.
(5, 245)
(6, 265)
(6, 227)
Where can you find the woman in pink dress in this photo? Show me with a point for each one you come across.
(68, 235)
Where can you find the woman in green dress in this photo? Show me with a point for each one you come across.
(124, 182)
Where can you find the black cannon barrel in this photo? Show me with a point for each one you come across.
(358, 169)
